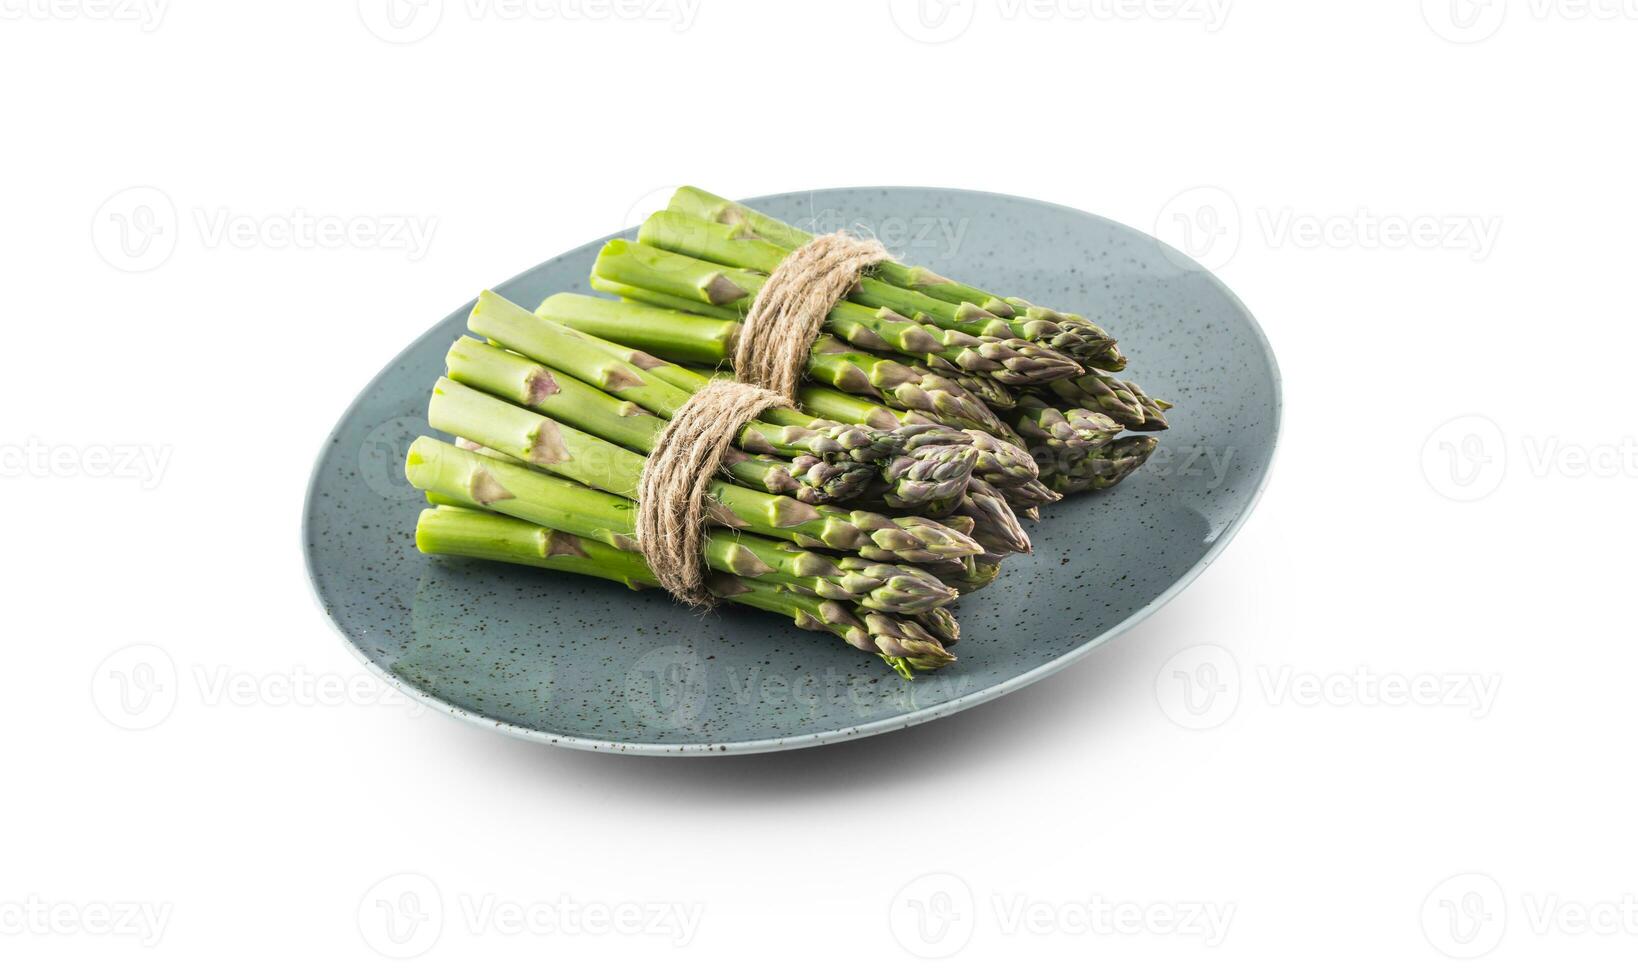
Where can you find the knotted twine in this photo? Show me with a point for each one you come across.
(771, 352)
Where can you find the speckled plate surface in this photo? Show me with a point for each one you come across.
(572, 661)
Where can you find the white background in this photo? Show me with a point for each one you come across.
(1430, 208)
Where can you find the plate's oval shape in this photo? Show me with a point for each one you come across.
(584, 663)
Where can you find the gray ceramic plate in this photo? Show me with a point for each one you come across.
(583, 663)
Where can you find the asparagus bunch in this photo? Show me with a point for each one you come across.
(452, 475)
(903, 320)
(656, 277)
(710, 256)
(1069, 417)
(1074, 335)
(704, 260)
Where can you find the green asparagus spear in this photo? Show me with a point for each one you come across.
(968, 574)
(995, 526)
(1121, 400)
(1047, 428)
(942, 623)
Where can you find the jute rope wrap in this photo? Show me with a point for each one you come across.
(772, 350)
(792, 306)
(671, 496)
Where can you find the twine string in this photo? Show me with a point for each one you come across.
(791, 307)
(677, 477)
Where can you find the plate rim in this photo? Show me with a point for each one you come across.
(850, 732)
